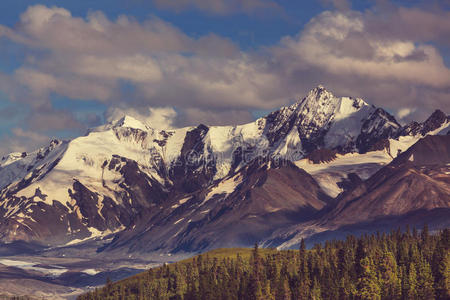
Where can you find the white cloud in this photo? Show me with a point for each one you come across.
(155, 117)
(137, 68)
(404, 112)
(331, 40)
(56, 29)
(208, 79)
(91, 58)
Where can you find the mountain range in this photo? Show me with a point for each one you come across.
(318, 169)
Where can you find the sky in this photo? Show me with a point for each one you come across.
(66, 66)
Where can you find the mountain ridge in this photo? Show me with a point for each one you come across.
(121, 174)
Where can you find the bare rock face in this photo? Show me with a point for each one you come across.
(322, 155)
(378, 126)
(194, 169)
(382, 144)
(351, 182)
(436, 120)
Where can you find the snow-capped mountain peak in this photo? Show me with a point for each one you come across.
(320, 100)
(318, 91)
(128, 121)
(96, 183)
(323, 120)
(124, 122)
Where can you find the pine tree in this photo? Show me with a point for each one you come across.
(411, 290)
(255, 288)
(425, 281)
(344, 268)
(283, 291)
(442, 284)
(315, 291)
(368, 287)
(441, 266)
(359, 256)
(389, 281)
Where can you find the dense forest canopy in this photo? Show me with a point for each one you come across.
(399, 265)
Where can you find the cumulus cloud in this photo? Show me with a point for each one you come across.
(220, 7)
(402, 113)
(155, 117)
(90, 59)
(131, 65)
(411, 23)
(341, 50)
(338, 43)
(47, 118)
(56, 29)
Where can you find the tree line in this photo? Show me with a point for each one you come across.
(399, 265)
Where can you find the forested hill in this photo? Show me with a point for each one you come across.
(408, 265)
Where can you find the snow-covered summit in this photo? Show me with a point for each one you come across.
(97, 182)
(128, 121)
(324, 120)
(125, 121)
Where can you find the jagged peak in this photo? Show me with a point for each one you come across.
(320, 98)
(437, 115)
(319, 91)
(436, 120)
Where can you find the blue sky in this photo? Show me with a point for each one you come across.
(66, 66)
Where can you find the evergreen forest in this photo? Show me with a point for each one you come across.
(396, 265)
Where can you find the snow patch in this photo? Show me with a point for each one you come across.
(329, 174)
(226, 187)
(178, 221)
(31, 266)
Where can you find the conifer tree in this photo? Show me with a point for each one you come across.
(315, 291)
(368, 288)
(389, 281)
(425, 281)
(411, 291)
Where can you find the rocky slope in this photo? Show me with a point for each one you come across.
(198, 187)
(413, 189)
(238, 210)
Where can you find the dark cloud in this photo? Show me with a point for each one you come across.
(431, 24)
(48, 118)
(416, 55)
(91, 120)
